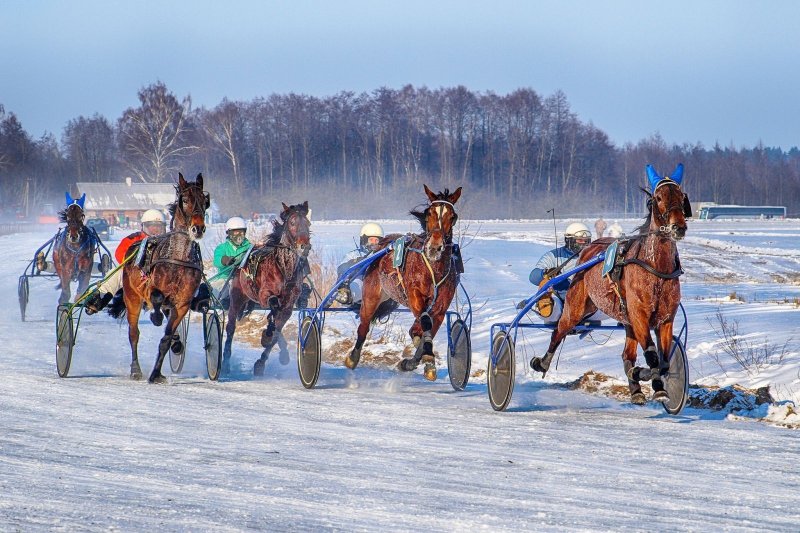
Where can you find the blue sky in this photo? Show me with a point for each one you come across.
(707, 71)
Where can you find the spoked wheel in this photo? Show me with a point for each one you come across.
(212, 333)
(23, 292)
(676, 383)
(65, 340)
(309, 354)
(176, 359)
(500, 375)
(459, 356)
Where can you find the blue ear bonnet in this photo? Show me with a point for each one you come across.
(656, 180)
(80, 201)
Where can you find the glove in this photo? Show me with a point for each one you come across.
(227, 260)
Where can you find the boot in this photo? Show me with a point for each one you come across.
(97, 302)
(200, 302)
(41, 263)
(344, 296)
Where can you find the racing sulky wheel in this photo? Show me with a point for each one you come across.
(178, 357)
(212, 338)
(23, 292)
(65, 339)
(459, 355)
(309, 353)
(676, 381)
(500, 371)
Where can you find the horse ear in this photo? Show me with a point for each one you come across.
(652, 177)
(69, 198)
(677, 174)
(687, 207)
(430, 193)
(455, 196)
(199, 180)
(285, 207)
(181, 181)
(81, 200)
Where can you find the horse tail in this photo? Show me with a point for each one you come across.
(384, 309)
(116, 308)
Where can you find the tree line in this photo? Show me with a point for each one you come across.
(356, 155)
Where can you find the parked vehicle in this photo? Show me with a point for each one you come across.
(100, 225)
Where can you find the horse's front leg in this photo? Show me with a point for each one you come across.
(640, 332)
(370, 299)
(83, 281)
(277, 319)
(66, 290)
(421, 333)
(629, 353)
(167, 342)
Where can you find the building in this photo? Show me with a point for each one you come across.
(122, 203)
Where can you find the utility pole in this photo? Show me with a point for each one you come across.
(27, 196)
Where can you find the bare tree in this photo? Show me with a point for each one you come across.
(89, 147)
(156, 135)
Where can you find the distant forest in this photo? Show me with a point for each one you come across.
(367, 155)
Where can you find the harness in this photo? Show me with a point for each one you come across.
(88, 238)
(153, 251)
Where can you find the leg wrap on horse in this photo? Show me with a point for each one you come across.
(651, 356)
(426, 322)
(542, 364)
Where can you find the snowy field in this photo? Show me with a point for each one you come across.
(376, 449)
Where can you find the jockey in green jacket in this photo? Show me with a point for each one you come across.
(228, 254)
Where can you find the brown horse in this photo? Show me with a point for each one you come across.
(647, 293)
(272, 276)
(74, 249)
(425, 283)
(171, 276)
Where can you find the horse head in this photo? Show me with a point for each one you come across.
(188, 210)
(73, 216)
(438, 220)
(296, 227)
(669, 205)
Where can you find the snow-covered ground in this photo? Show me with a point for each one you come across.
(376, 449)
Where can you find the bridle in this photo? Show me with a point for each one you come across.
(199, 199)
(439, 214)
(661, 217)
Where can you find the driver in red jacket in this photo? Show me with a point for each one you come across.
(153, 224)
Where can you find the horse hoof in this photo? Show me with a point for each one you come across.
(226, 367)
(157, 378)
(350, 362)
(136, 372)
(157, 319)
(409, 364)
(284, 357)
(637, 398)
(536, 364)
(430, 372)
(660, 396)
(258, 368)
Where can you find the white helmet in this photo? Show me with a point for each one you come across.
(153, 215)
(235, 223)
(371, 229)
(576, 236)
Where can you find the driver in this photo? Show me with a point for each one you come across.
(368, 239)
(153, 224)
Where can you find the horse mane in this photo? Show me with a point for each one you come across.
(645, 227)
(422, 214)
(274, 238)
(62, 215)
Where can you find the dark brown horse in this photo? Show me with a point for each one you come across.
(647, 293)
(425, 283)
(74, 249)
(272, 276)
(171, 276)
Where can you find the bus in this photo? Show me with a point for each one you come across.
(712, 211)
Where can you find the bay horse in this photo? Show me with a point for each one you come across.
(74, 249)
(171, 276)
(647, 292)
(272, 277)
(425, 283)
